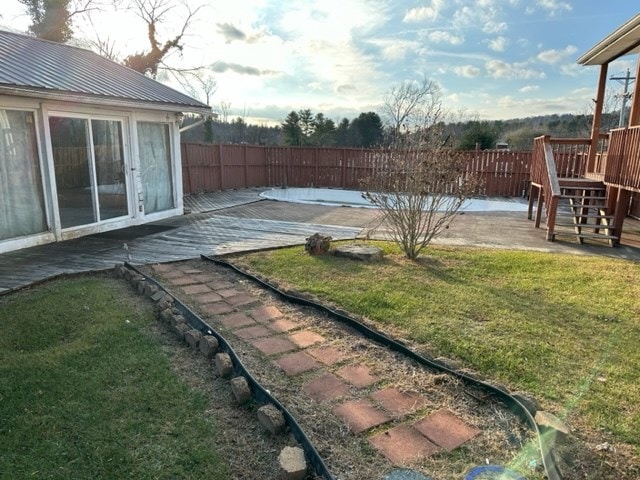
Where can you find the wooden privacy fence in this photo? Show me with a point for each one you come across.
(213, 167)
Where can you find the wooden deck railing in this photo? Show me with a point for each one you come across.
(552, 159)
(544, 179)
(623, 159)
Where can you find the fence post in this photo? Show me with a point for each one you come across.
(221, 166)
(246, 167)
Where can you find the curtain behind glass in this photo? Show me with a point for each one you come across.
(21, 198)
(155, 166)
(110, 176)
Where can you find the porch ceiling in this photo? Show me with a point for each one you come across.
(624, 40)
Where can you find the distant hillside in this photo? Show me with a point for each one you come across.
(519, 133)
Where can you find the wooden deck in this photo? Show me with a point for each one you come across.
(178, 238)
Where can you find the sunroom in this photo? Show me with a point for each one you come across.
(86, 145)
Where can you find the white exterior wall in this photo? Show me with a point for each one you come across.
(42, 110)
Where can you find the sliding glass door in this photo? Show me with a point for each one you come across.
(88, 157)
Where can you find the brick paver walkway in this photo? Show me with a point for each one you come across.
(384, 414)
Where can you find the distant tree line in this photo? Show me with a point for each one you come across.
(303, 128)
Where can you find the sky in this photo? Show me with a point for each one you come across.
(492, 59)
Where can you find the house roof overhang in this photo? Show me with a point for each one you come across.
(624, 40)
(115, 102)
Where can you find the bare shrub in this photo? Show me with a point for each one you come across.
(420, 185)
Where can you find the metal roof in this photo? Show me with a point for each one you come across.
(625, 39)
(36, 67)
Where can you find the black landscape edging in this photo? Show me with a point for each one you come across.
(551, 469)
(261, 394)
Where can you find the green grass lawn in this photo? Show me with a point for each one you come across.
(564, 328)
(86, 392)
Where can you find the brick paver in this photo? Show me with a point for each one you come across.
(399, 403)
(445, 429)
(273, 345)
(235, 320)
(306, 338)
(241, 300)
(182, 280)
(328, 355)
(357, 375)
(325, 387)
(265, 313)
(219, 284)
(172, 273)
(403, 445)
(360, 415)
(255, 331)
(296, 363)
(218, 308)
(204, 278)
(195, 289)
(284, 325)
(208, 297)
(228, 292)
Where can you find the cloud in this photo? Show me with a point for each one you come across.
(441, 36)
(492, 27)
(572, 70)
(345, 89)
(552, 7)
(500, 69)
(468, 71)
(394, 49)
(221, 67)
(420, 14)
(498, 44)
(555, 56)
(231, 32)
(529, 89)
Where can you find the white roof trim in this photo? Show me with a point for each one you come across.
(624, 40)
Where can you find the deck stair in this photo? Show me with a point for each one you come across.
(583, 211)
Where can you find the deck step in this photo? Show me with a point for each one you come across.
(589, 215)
(582, 197)
(584, 225)
(593, 236)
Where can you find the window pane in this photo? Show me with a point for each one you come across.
(21, 199)
(108, 153)
(71, 158)
(155, 166)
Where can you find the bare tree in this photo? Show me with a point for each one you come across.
(224, 107)
(406, 105)
(54, 20)
(153, 13)
(420, 184)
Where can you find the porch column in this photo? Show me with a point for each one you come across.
(634, 116)
(622, 209)
(597, 117)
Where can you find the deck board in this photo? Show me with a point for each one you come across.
(189, 236)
